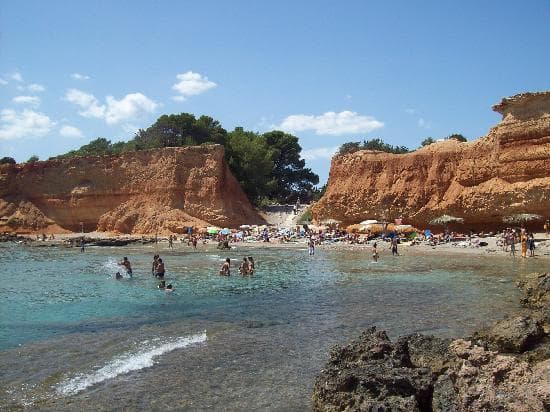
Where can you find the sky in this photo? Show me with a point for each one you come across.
(328, 72)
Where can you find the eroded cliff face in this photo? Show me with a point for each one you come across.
(503, 173)
(161, 190)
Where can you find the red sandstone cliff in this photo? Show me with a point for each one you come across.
(136, 192)
(503, 173)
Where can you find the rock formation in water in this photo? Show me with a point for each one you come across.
(506, 368)
(499, 175)
(161, 190)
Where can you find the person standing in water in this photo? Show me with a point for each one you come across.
(154, 266)
(311, 246)
(243, 269)
(159, 270)
(126, 263)
(82, 245)
(224, 271)
(394, 246)
(374, 252)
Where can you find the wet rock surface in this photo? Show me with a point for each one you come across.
(504, 368)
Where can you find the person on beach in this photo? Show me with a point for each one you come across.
(159, 271)
(513, 246)
(195, 242)
(394, 246)
(243, 269)
(170, 242)
(531, 245)
(523, 240)
(224, 271)
(82, 245)
(126, 263)
(311, 246)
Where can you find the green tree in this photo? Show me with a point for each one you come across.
(7, 160)
(456, 136)
(427, 141)
(293, 178)
(177, 130)
(373, 144)
(32, 159)
(250, 161)
(349, 147)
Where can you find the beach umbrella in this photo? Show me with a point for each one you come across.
(521, 218)
(444, 220)
(212, 230)
(225, 231)
(244, 226)
(369, 222)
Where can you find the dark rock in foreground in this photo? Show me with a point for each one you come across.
(425, 373)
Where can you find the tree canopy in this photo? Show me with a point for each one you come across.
(373, 144)
(7, 160)
(268, 166)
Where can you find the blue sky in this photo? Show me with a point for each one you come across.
(329, 72)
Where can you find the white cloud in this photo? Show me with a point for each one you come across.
(17, 77)
(70, 131)
(78, 76)
(131, 106)
(424, 124)
(178, 98)
(331, 123)
(191, 84)
(3, 81)
(28, 123)
(32, 100)
(87, 102)
(36, 87)
(319, 153)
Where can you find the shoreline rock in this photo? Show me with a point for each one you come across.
(505, 367)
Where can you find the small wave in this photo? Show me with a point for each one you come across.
(111, 266)
(143, 358)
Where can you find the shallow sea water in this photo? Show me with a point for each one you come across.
(72, 337)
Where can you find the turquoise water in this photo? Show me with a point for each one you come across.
(226, 340)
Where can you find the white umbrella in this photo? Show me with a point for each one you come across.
(368, 222)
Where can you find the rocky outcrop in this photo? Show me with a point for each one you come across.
(426, 373)
(161, 190)
(498, 175)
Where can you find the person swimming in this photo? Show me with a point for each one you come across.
(126, 263)
(169, 288)
(225, 269)
(118, 275)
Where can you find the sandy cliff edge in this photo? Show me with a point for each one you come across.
(503, 173)
(160, 190)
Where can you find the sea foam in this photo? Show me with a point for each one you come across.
(127, 362)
